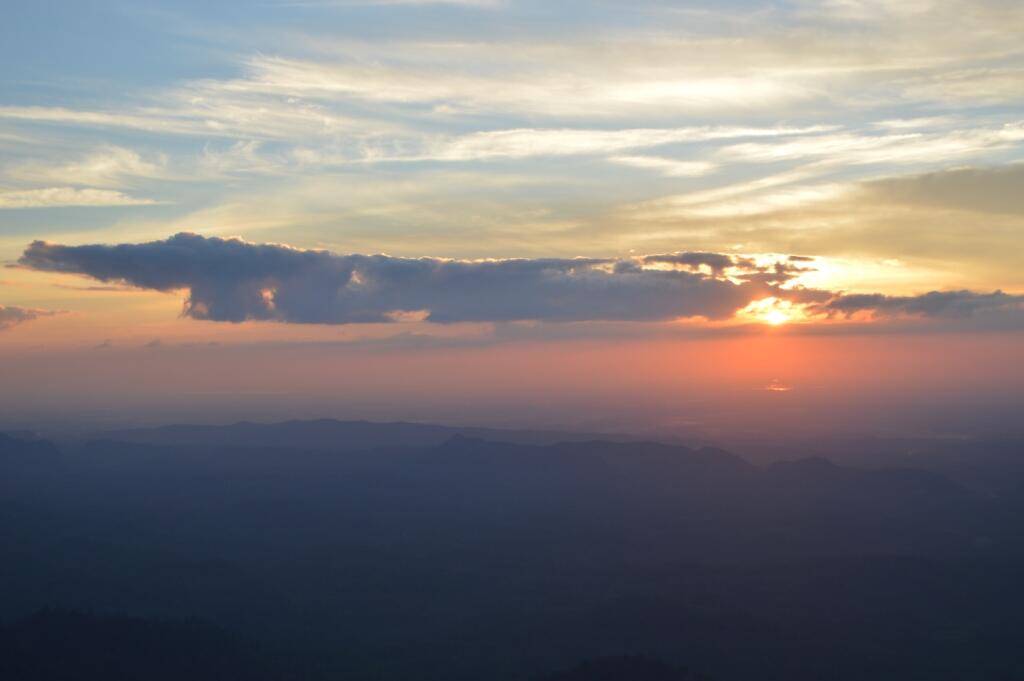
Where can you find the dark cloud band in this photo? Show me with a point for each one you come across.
(946, 304)
(234, 280)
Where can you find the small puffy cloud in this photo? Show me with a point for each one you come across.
(740, 268)
(780, 271)
(717, 262)
(11, 315)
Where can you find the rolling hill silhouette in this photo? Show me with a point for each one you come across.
(469, 558)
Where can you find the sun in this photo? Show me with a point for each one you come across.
(772, 311)
(775, 317)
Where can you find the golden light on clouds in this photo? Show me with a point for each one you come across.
(742, 163)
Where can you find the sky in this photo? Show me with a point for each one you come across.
(511, 209)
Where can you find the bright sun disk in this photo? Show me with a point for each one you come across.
(772, 311)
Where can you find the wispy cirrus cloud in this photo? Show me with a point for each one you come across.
(856, 149)
(668, 166)
(133, 119)
(648, 123)
(56, 197)
(108, 166)
(196, 110)
(387, 3)
(532, 142)
(436, 75)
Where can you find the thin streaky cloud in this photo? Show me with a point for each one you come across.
(109, 166)
(57, 197)
(857, 149)
(386, 3)
(525, 143)
(668, 166)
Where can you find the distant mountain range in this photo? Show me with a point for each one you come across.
(340, 435)
(404, 551)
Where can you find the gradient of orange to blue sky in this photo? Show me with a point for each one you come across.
(650, 214)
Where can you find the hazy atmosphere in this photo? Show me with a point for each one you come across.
(484, 201)
(785, 232)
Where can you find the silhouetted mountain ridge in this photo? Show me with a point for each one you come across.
(466, 558)
(26, 445)
(337, 435)
(625, 668)
(63, 645)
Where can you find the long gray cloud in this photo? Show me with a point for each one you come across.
(233, 280)
(945, 304)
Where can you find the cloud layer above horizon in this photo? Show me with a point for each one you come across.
(580, 163)
(231, 280)
(868, 131)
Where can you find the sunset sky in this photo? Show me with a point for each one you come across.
(448, 207)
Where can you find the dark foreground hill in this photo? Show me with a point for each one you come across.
(59, 645)
(474, 559)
